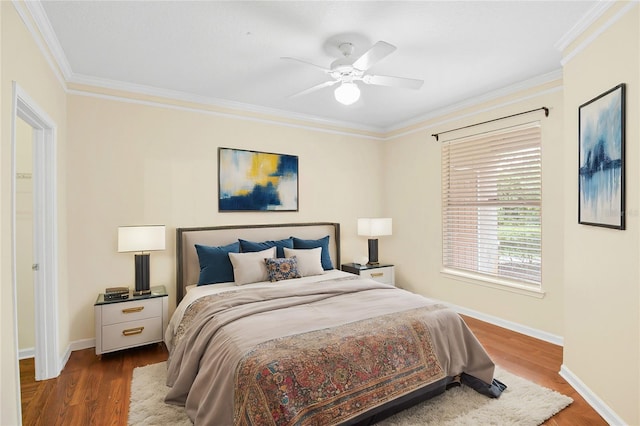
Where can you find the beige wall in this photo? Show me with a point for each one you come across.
(133, 164)
(21, 61)
(590, 275)
(412, 198)
(602, 280)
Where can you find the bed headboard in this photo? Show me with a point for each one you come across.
(188, 267)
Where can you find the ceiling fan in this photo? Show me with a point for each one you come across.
(346, 71)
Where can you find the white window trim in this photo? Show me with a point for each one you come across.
(493, 282)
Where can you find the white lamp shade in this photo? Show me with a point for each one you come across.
(141, 238)
(374, 227)
(347, 93)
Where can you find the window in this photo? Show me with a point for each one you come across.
(491, 198)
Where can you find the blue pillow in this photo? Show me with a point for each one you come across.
(215, 266)
(325, 257)
(250, 246)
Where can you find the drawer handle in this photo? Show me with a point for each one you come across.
(132, 331)
(132, 310)
(378, 274)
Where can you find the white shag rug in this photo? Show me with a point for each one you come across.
(523, 403)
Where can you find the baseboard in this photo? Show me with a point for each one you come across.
(518, 328)
(76, 345)
(592, 399)
(26, 353)
(73, 346)
(63, 361)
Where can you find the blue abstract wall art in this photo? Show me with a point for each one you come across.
(256, 181)
(601, 152)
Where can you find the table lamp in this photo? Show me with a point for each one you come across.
(141, 239)
(374, 227)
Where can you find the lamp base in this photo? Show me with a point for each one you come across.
(140, 292)
(142, 274)
(373, 251)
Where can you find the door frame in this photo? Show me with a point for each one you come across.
(45, 236)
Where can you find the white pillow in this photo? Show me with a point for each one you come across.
(250, 267)
(309, 262)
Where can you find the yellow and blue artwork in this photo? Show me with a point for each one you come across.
(256, 181)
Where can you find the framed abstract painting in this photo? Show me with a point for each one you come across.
(601, 176)
(256, 181)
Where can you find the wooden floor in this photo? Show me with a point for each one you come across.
(93, 391)
(538, 362)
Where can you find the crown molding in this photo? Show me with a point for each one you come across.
(478, 100)
(39, 38)
(231, 115)
(583, 23)
(235, 110)
(593, 36)
(55, 48)
(236, 107)
(474, 113)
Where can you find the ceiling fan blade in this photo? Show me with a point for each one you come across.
(386, 80)
(314, 88)
(378, 51)
(306, 62)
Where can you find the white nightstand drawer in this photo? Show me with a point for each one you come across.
(139, 320)
(131, 333)
(131, 311)
(383, 275)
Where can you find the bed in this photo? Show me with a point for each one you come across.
(304, 343)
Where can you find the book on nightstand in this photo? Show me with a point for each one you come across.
(116, 293)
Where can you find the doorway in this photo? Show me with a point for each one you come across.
(24, 240)
(45, 260)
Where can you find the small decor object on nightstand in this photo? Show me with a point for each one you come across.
(116, 293)
(141, 239)
(374, 227)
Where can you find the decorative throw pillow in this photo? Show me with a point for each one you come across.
(282, 269)
(322, 242)
(251, 246)
(308, 260)
(250, 267)
(215, 266)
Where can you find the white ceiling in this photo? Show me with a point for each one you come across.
(229, 52)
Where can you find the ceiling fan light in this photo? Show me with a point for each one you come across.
(347, 93)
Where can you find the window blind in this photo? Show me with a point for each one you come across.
(491, 204)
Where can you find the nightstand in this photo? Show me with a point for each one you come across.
(127, 323)
(382, 273)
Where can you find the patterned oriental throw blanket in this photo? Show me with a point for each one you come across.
(319, 353)
(329, 376)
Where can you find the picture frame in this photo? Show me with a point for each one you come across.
(601, 168)
(257, 181)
